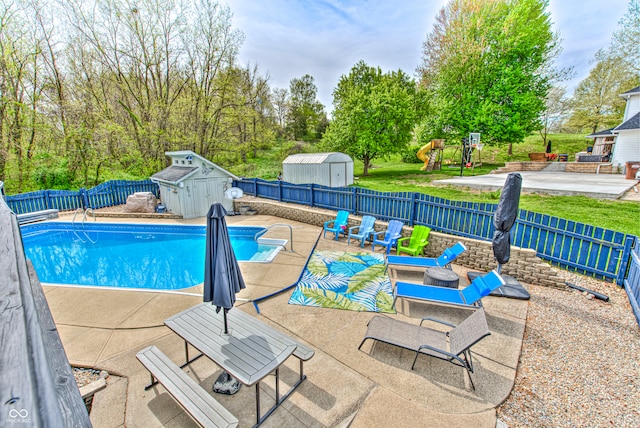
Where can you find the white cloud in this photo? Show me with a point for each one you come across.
(325, 38)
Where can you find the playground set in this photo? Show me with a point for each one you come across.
(432, 154)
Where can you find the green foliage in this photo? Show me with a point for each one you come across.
(52, 174)
(374, 114)
(409, 155)
(482, 68)
(596, 102)
(307, 120)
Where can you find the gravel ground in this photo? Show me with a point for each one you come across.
(85, 376)
(580, 360)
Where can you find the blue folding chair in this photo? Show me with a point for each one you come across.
(362, 231)
(469, 296)
(337, 226)
(387, 238)
(443, 260)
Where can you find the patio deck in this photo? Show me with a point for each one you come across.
(104, 328)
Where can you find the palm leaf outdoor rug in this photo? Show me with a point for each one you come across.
(340, 280)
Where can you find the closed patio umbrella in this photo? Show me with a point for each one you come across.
(505, 217)
(222, 276)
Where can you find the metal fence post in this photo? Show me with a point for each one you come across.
(414, 208)
(354, 200)
(312, 194)
(84, 198)
(629, 243)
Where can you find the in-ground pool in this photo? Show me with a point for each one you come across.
(158, 257)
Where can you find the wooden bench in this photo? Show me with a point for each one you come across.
(197, 402)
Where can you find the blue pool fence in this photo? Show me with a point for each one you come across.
(579, 247)
(107, 194)
(594, 251)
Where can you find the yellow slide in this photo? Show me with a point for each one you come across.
(423, 155)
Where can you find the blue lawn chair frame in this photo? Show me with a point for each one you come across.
(362, 231)
(337, 226)
(469, 296)
(443, 260)
(387, 238)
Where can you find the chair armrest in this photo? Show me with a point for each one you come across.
(406, 238)
(437, 321)
(352, 228)
(443, 352)
(326, 223)
(375, 234)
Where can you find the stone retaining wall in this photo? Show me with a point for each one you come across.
(579, 167)
(523, 265)
(521, 166)
(590, 168)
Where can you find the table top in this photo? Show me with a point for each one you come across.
(249, 352)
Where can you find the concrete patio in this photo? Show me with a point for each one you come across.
(375, 387)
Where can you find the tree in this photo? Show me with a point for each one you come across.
(626, 39)
(483, 67)
(374, 114)
(556, 106)
(306, 114)
(596, 102)
(280, 100)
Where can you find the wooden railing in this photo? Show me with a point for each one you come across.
(37, 385)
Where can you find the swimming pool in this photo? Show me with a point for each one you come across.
(158, 257)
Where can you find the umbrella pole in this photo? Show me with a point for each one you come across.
(224, 312)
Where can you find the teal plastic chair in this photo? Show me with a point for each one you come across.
(337, 226)
(362, 231)
(387, 238)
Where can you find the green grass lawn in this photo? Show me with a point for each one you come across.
(393, 175)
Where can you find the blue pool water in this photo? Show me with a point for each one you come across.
(159, 257)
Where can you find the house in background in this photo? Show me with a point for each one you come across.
(191, 183)
(623, 141)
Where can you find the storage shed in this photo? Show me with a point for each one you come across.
(191, 184)
(328, 169)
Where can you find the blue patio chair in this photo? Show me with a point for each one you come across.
(471, 295)
(387, 238)
(337, 226)
(362, 231)
(443, 260)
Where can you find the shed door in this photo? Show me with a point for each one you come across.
(208, 191)
(338, 174)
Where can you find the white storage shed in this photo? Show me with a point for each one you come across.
(328, 169)
(192, 183)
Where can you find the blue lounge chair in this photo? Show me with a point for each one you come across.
(443, 260)
(469, 296)
(362, 231)
(337, 226)
(387, 238)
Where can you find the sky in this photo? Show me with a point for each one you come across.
(326, 38)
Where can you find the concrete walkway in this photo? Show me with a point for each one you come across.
(374, 387)
(606, 186)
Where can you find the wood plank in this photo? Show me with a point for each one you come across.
(247, 353)
(195, 400)
(36, 380)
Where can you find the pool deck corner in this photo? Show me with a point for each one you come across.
(372, 387)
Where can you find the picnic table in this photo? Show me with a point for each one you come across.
(249, 352)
